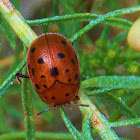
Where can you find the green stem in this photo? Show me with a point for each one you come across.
(99, 91)
(131, 101)
(97, 120)
(113, 21)
(119, 104)
(86, 129)
(27, 105)
(75, 133)
(112, 82)
(135, 121)
(102, 18)
(38, 135)
(9, 81)
(17, 22)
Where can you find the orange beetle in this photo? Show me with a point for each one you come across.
(53, 68)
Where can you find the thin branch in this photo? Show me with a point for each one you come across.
(102, 18)
(38, 135)
(97, 120)
(135, 121)
(17, 22)
(75, 133)
(113, 21)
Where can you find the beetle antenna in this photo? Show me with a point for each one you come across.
(79, 105)
(53, 108)
(71, 105)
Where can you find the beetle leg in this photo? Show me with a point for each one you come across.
(22, 76)
(77, 97)
(53, 108)
(68, 105)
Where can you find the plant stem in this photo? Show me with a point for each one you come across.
(75, 133)
(99, 91)
(97, 120)
(113, 21)
(118, 103)
(135, 121)
(129, 102)
(27, 105)
(38, 135)
(9, 81)
(102, 18)
(86, 129)
(112, 82)
(17, 22)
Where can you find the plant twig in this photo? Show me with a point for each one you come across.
(97, 120)
(129, 102)
(102, 18)
(17, 22)
(75, 133)
(86, 128)
(38, 135)
(135, 121)
(113, 82)
(9, 81)
(113, 21)
(27, 105)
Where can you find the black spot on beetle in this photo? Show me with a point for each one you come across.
(53, 98)
(33, 71)
(41, 60)
(73, 61)
(42, 76)
(60, 55)
(32, 50)
(73, 91)
(46, 97)
(67, 94)
(66, 70)
(44, 86)
(64, 42)
(76, 76)
(54, 71)
(37, 86)
(69, 80)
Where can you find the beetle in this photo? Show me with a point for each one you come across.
(53, 68)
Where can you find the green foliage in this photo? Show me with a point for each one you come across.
(109, 70)
(110, 57)
(75, 133)
(6, 29)
(111, 5)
